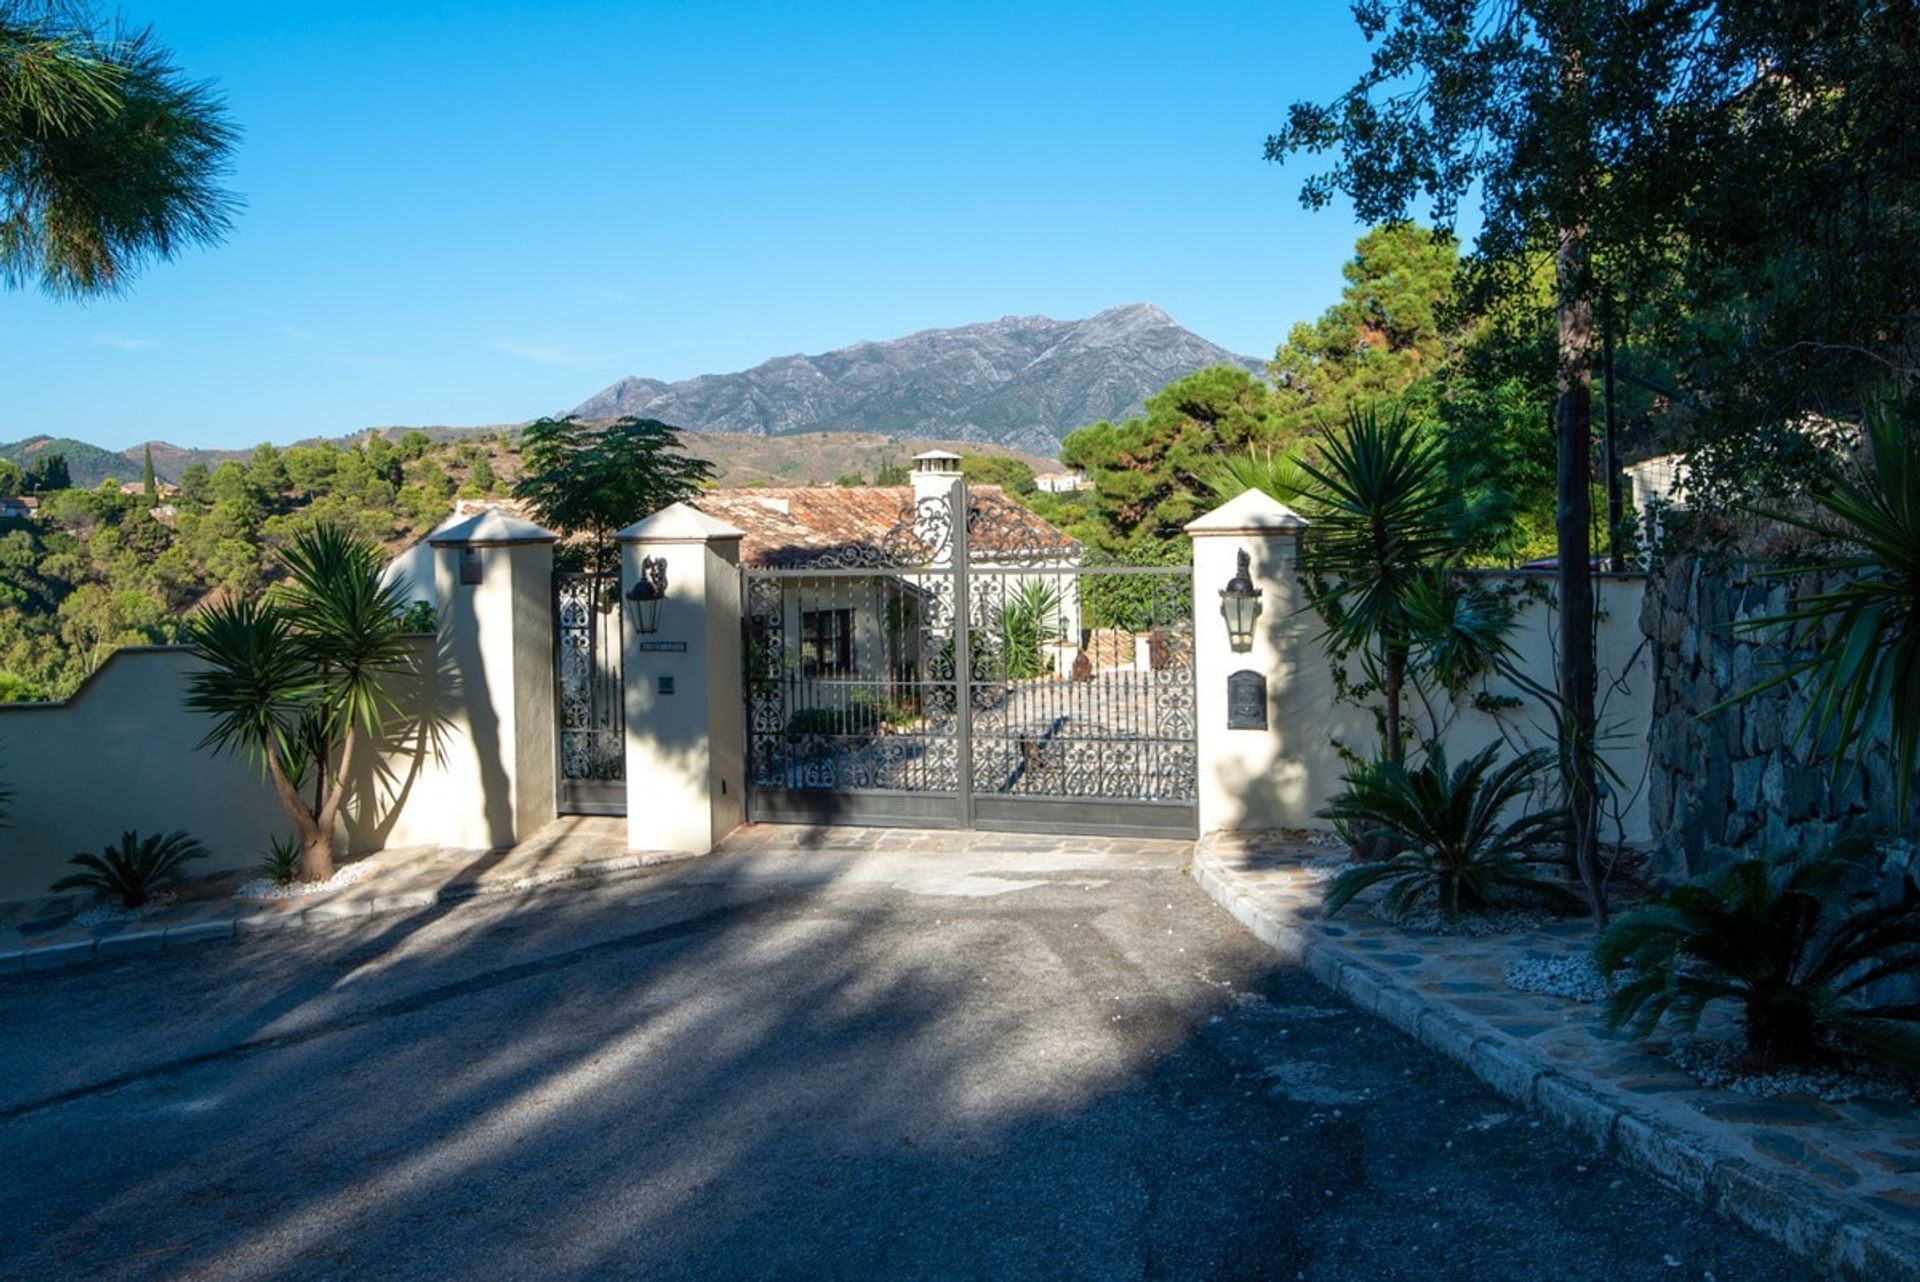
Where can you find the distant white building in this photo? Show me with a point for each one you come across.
(1061, 482)
(1657, 482)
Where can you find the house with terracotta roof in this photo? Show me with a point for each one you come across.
(851, 625)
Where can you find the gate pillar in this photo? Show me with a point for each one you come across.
(493, 579)
(685, 711)
(1264, 741)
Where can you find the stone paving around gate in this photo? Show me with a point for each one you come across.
(41, 933)
(1839, 1183)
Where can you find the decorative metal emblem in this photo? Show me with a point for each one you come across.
(1246, 700)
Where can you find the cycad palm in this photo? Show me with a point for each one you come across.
(1447, 831)
(1795, 940)
(134, 869)
(297, 683)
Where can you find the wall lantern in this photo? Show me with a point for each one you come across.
(648, 591)
(1240, 603)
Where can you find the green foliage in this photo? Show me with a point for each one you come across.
(133, 870)
(1798, 941)
(419, 617)
(856, 718)
(1026, 623)
(1862, 636)
(1447, 834)
(892, 473)
(850, 480)
(296, 682)
(1383, 523)
(281, 863)
(1150, 474)
(48, 474)
(1139, 602)
(1009, 473)
(1385, 339)
(109, 157)
(590, 481)
(95, 571)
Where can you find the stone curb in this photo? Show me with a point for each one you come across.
(1795, 1213)
(251, 917)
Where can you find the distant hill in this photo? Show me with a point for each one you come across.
(738, 459)
(1023, 381)
(88, 465)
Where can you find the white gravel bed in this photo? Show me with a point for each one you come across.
(1719, 1064)
(1426, 920)
(268, 888)
(1575, 976)
(101, 914)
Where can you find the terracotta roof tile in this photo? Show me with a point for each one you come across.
(793, 525)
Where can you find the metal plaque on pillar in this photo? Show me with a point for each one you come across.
(1246, 701)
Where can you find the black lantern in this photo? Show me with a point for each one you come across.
(646, 594)
(1240, 604)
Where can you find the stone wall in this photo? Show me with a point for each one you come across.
(1743, 777)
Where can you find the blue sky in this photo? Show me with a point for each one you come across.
(478, 213)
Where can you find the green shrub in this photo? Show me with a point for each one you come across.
(281, 863)
(1027, 623)
(134, 869)
(856, 718)
(1797, 940)
(1446, 835)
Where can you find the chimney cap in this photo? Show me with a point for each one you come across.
(936, 461)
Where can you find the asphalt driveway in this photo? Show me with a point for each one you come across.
(987, 1059)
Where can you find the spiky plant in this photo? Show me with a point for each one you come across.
(1275, 473)
(1798, 941)
(281, 863)
(1861, 638)
(134, 869)
(1027, 623)
(1384, 514)
(1448, 833)
(302, 683)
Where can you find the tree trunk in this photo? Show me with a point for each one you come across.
(1573, 512)
(316, 842)
(1573, 524)
(1393, 683)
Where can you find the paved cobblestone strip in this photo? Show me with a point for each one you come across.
(1833, 1182)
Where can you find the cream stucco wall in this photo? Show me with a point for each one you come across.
(124, 753)
(468, 763)
(685, 746)
(1281, 776)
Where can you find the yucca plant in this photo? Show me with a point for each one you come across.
(1450, 835)
(134, 869)
(1384, 521)
(1861, 638)
(1797, 940)
(281, 863)
(299, 682)
(1027, 623)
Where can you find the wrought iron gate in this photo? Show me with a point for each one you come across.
(592, 714)
(988, 682)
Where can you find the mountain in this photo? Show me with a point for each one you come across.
(1022, 381)
(87, 465)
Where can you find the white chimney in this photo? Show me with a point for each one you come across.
(939, 495)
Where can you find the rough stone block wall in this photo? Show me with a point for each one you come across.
(1745, 777)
